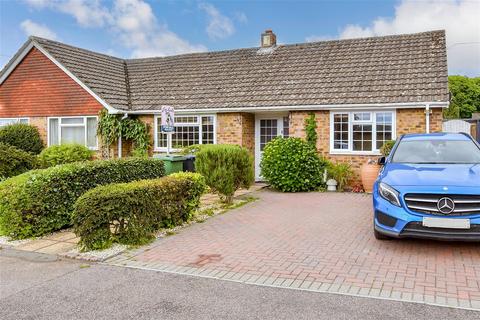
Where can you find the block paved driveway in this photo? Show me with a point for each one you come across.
(320, 242)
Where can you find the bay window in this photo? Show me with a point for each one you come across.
(188, 130)
(81, 130)
(361, 131)
(6, 121)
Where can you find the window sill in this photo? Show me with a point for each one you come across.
(164, 150)
(356, 153)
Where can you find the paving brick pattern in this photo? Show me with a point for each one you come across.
(55, 243)
(321, 242)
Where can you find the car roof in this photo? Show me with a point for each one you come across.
(436, 136)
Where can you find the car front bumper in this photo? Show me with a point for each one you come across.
(399, 222)
(416, 230)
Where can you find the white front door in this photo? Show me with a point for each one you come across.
(267, 127)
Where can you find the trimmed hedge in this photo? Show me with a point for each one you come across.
(130, 213)
(225, 168)
(64, 153)
(292, 165)
(22, 136)
(41, 201)
(14, 161)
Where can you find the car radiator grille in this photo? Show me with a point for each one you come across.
(427, 203)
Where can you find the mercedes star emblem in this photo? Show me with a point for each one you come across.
(446, 205)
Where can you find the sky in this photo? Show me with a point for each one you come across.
(143, 28)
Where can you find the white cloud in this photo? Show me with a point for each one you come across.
(460, 19)
(137, 26)
(87, 13)
(219, 26)
(241, 17)
(35, 29)
(133, 21)
(38, 3)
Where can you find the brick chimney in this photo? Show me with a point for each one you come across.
(269, 39)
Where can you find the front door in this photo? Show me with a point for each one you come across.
(266, 128)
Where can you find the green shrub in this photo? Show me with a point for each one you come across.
(387, 148)
(41, 201)
(65, 153)
(22, 136)
(130, 213)
(226, 168)
(342, 173)
(292, 165)
(14, 161)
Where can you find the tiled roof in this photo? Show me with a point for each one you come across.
(378, 70)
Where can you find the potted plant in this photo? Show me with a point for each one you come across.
(370, 170)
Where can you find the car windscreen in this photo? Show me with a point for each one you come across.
(436, 151)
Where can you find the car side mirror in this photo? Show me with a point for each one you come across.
(382, 161)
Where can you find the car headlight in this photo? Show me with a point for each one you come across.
(389, 194)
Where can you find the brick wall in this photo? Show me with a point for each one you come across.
(37, 87)
(413, 121)
(236, 128)
(41, 124)
(408, 121)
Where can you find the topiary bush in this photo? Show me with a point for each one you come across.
(292, 165)
(14, 161)
(22, 136)
(226, 168)
(64, 153)
(130, 213)
(41, 201)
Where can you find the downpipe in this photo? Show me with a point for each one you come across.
(427, 118)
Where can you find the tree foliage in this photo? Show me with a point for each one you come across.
(465, 97)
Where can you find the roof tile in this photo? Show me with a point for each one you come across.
(390, 69)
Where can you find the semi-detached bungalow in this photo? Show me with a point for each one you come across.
(363, 92)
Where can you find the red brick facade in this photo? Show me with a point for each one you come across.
(236, 128)
(37, 87)
(407, 121)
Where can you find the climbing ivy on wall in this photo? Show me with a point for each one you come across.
(112, 126)
(311, 130)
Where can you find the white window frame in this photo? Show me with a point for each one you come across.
(14, 120)
(60, 125)
(351, 122)
(198, 123)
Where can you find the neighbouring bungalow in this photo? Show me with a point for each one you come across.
(363, 92)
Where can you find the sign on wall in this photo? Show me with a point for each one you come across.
(168, 117)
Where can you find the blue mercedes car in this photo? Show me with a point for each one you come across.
(429, 187)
